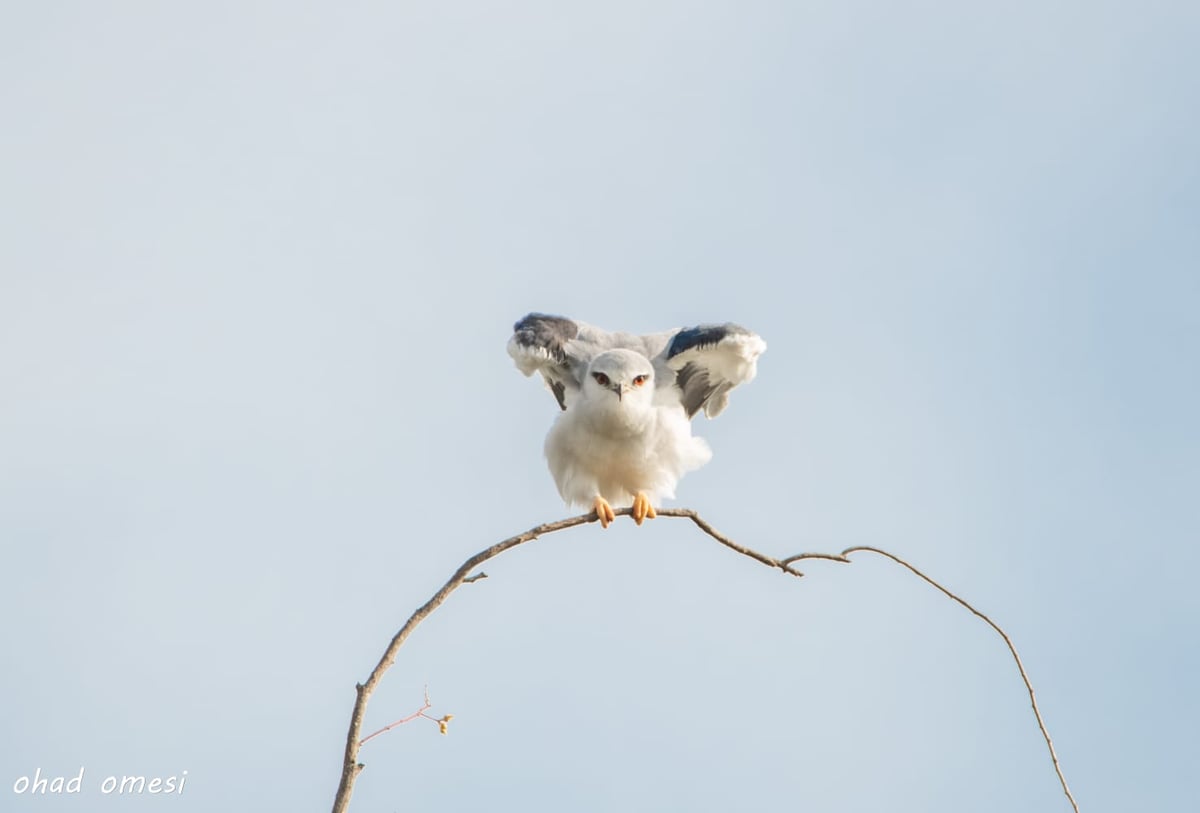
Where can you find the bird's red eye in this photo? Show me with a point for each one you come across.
(639, 381)
(601, 379)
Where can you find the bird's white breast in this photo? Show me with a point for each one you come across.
(617, 451)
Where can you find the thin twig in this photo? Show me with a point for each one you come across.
(418, 713)
(769, 561)
(351, 767)
(833, 557)
(1020, 666)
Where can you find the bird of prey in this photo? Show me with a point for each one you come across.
(624, 435)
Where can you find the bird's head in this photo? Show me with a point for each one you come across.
(625, 377)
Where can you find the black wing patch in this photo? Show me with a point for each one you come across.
(700, 337)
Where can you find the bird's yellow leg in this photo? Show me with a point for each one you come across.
(642, 509)
(604, 511)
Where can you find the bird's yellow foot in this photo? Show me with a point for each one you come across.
(642, 509)
(604, 511)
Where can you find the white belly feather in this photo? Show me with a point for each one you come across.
(616, 452)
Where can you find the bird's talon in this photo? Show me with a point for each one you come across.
(604, 511)
(642, 509)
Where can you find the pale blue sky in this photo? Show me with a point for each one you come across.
(258, 267)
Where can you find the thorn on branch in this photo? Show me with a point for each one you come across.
(475, 578)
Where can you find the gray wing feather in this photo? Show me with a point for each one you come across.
(695, 387)
(709, 361)
(557, 347)
(545, 333)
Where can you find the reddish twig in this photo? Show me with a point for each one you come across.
(418, 713)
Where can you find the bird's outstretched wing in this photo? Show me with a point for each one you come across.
(558, 348)
(709, 361)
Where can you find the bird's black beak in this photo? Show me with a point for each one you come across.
(620, 391)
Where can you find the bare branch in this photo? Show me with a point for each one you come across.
(351, 767)
(833, 557)
(1020, 666)
(769, 561)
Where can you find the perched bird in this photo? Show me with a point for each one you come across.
(624, 436)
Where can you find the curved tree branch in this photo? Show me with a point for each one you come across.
(351, 767)
(1008, 641)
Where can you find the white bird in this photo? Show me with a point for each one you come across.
(624, 436)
